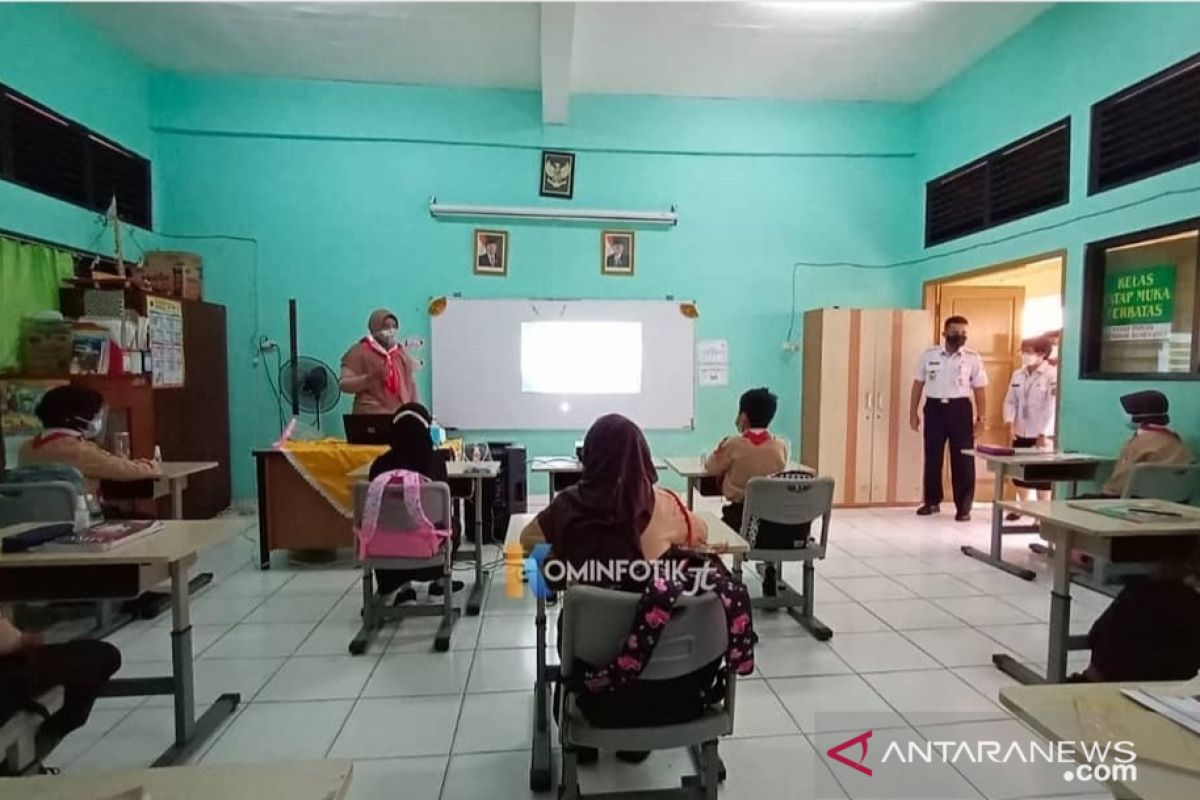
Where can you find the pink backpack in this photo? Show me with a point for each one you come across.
(374, 541)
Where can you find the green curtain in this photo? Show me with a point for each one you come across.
(29, 279)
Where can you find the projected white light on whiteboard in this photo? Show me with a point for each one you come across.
(568, 357)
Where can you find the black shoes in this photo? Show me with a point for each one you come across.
(926, 510)
(962, 516)
(436, 590)
(589, 755)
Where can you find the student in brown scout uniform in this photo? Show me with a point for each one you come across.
(1152, 441)
(72, 419)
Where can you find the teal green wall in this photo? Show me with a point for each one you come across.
(1070, 57)
(52, 55)
(333, 180)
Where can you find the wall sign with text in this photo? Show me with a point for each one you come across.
(1139, 304)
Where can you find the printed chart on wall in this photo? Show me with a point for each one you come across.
(712, 360)
(1139, 304)
(166, 341)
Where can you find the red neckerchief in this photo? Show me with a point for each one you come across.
(1150, 426)
(46, 438)
(756, 437)
(391, 375)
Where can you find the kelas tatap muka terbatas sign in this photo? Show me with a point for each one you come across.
(1139, 304)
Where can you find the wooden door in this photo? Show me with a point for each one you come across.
(994, 313)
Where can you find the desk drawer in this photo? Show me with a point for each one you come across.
(98, 582)
(1136, 549)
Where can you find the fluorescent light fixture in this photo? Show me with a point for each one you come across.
(437, 209)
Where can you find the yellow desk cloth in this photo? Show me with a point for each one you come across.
(324, 464)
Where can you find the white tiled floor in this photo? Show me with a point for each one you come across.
(915, 623)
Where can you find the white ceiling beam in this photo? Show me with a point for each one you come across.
(558, 38)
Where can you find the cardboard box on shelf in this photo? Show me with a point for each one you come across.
(46, 347)
(174, 273)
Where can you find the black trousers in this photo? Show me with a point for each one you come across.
(949, 422)
(82, 668)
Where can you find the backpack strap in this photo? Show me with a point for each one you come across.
(412, 483)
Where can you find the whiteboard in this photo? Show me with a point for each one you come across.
(476, 365)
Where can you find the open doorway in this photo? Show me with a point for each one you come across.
(1006, 304)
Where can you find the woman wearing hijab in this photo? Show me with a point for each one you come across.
(616, 513)
(376, 370)
(411, 448)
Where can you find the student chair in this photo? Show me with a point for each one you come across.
(594, 624)
(1172, 482)
(393, 515)
(18, 734)
(51, 501)
(789, 499)
(1176, 483)
(44, 493)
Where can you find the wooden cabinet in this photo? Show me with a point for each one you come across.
(858, 368)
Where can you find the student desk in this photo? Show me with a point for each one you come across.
(123, 573)
(171, 483)
(1069, 525)
(1051, 712)
(300, 780)
(175, 479)
(693, 470)
(564, 471)
(458, 471)
(1028, 464)
(720, 535)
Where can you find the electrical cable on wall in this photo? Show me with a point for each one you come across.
(912, 262)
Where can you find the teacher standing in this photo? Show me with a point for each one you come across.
(376, 370)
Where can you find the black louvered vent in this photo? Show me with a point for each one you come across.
(51, 154)
(47, 152)
(956, 204)
(1151, 127)
(1030, 175)
(118, 172)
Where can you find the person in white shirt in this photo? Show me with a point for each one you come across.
(1029, 405)
(948, 376)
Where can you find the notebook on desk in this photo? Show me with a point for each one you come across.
(105, 536)
(1134, 511)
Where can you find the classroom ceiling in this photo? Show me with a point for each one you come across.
(864, 51)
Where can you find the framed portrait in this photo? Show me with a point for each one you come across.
(616, 252)
(490, 252)
(558, 174)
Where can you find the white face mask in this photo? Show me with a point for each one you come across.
(1030, 359)
(95, 425)
(386, 337)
